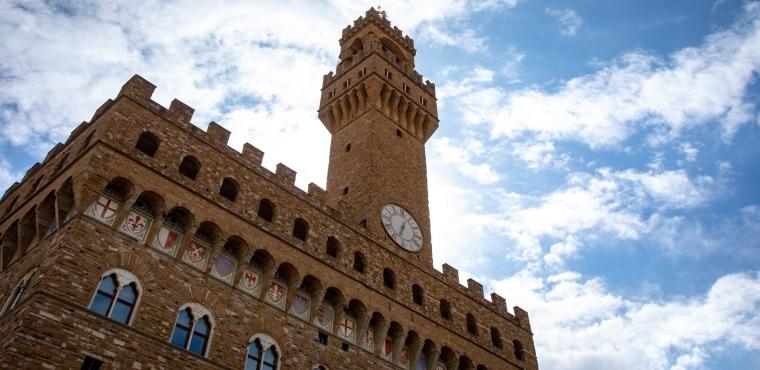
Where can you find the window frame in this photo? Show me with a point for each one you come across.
(18, 292)
(123, 279)
(265, 343)
(197, 313)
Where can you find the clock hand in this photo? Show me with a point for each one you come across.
(403, 226)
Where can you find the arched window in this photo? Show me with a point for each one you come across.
(418, 295)
(359, 262)
(18, 292)
(190, 167)
(472, 325)
(300, 229)
(192, 330)
(263, 354)
(519, 350)
(445, 308)
(496, 338)
(116, 296)
(333, 247)
(266, 210)
(148, 143)
(389, 278)
(229, 189)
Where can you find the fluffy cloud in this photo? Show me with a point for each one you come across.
(7, 176)
(462, 158)
(244, 66)
(692, 87)
(569, 21)
(585, 326)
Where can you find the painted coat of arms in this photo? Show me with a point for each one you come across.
(323, 318)
(368, 340)
(167, 240)
(136, 225)
(276, 294)
(346, 328)
(196, 254)
(300, 307)
(104, 210)
(250, 282)
(224, 268)
(387, 350)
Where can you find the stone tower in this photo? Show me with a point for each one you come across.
(145, 242)
(380, 115)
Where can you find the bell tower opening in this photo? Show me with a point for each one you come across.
(380, 114)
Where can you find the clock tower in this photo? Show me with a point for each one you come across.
(380, 114)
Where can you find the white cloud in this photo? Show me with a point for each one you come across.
(689, 151)
(466, 39)
(514, 59)
(569, 21)
(540, 155)
(246, 67)
(692, 87)
(7, 176)
(585, 326)
(462, 158)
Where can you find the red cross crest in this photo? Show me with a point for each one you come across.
(346, 328)
(105, 209)
(404, 357)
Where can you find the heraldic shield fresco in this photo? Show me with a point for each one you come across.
(300, 306)
(324, 318)
(250, 282)
(276, 294)
(346, 328)
(136, 225)
(103, 209)
(387, 351)
(368, 340)
(167, 240)
(403, 359)
(224, 268)
(196, 254)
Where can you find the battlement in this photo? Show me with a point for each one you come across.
(379, 18)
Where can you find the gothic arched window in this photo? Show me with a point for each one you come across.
(192, 330)
(229, 189)
(17, 293)
(263, 354)
(117, 295)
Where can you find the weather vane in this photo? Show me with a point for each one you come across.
(381, 11)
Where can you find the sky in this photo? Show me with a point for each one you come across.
(595, 162)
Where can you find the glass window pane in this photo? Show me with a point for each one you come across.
(184, 318)
(121, 312)
(108, 285)
(251, 364)
(101, 304)
(271, 356)
(202, 326)
(179, 337)
(254, 350)
(128, 293)
(197, 344)
(267, 367)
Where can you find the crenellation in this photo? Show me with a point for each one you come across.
(499, 304)
(475, 289)
(450, 274)
(217, 133)
(138, 88)
(253, 154)
(52, 152)
(182, 112)
(81, 127)
(286, 174)
(89, 240)
(103, 107)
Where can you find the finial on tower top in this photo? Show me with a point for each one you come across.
(382, 12)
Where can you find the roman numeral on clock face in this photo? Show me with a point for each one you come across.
(401, 227)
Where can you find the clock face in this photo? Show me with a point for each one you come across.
(401, 227)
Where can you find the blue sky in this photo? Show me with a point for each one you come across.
(595, 163)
